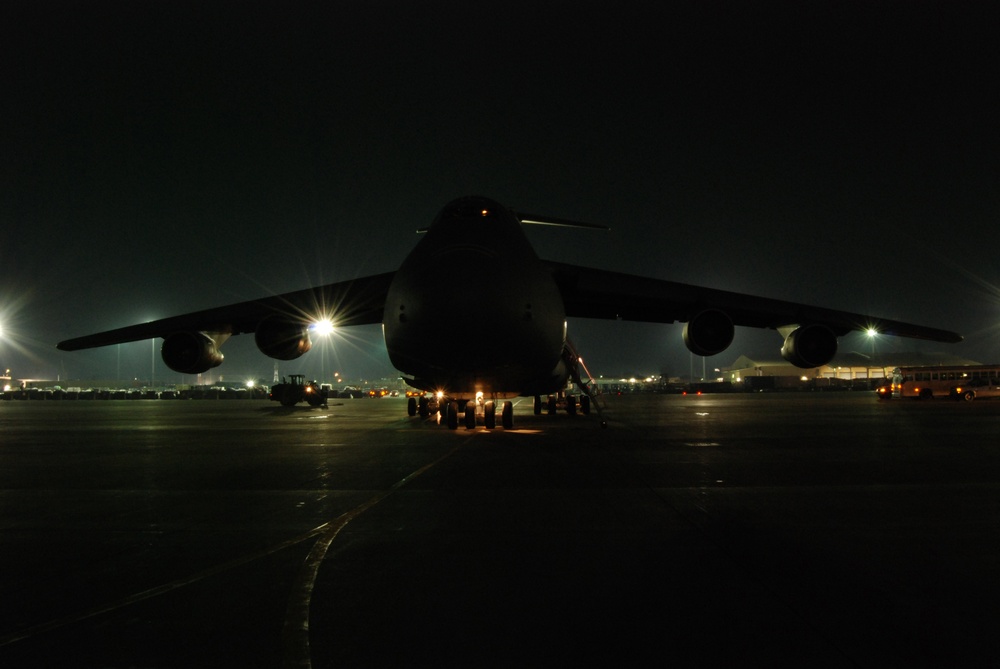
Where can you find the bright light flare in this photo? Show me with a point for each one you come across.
(323, 327)
(871, 332)
(12, 337)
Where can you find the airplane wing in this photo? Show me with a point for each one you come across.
(595, 293)
(355, 302)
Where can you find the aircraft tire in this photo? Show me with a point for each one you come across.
(490, 415)
(470, 416)
(507, 415)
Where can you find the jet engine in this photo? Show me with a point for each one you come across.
(190, 352)
(282, 339)
(810, 346)
(709, 332)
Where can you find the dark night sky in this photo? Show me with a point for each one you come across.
(162, 157)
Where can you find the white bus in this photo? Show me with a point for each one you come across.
(936, 380)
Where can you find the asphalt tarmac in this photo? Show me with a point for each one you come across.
(820, 530)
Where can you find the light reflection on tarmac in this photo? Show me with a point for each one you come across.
(819, 529)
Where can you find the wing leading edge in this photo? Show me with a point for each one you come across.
(595, 293)
(355, 302)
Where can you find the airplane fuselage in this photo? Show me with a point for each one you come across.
(472, 308)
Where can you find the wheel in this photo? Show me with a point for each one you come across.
(490, 415)
(552, 404)
(571, 405)
(968, 396)
(411, 406)
(452, 415)
(470, 416)
(536, 405)
(315, 398)
(422, 407)
(507, 415)
(585, 404)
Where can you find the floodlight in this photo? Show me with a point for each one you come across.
(323, 327)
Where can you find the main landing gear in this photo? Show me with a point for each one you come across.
(468, 411)
(489, 413)
(569, 403)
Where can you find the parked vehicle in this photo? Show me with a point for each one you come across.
(929, 381)
(973, 389)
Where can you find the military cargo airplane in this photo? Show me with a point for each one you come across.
(475, 315)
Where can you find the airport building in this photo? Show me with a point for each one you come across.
(851, 370)
(848, 367)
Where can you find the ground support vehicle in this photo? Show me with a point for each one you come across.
(296, 390)
(929, 381)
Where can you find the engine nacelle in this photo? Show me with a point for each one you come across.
(190, 352)
(810, 346)
(709, 332)
(282, 339)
